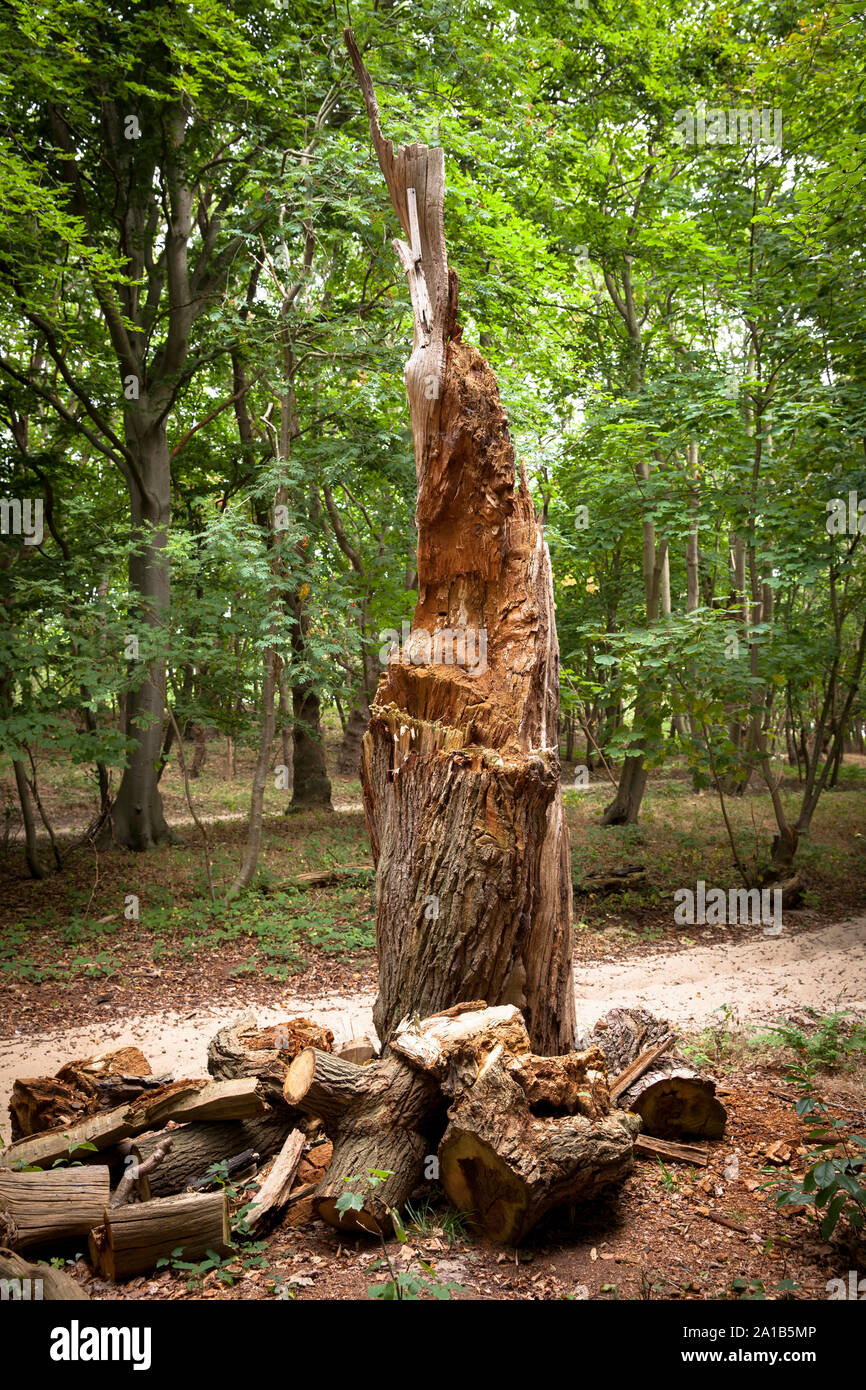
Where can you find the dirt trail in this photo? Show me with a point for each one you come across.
(825, 968)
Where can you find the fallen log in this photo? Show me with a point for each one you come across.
(237, 1169)
(181, 1101)
(37, 1282)
(606, 881)
(244, 1049)
(673, 1099)
(132, 1239)
(40, 1208)
(273, 1194)
(196, 1147)
(319, 878)
(380, 1116)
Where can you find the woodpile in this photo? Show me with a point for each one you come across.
(284, 1126)
(141, 1165)
(674, 1100)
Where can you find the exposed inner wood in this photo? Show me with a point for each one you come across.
(459, 766)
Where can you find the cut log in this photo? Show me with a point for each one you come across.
(460, 763)
(243, 1049)
(47, 1207)
(131, 1239)
(380, 1116)
(360, 1050)
(103, 1130)
(506, 1168)
(239, 1099)
(645, 1147)
(273, 1194)
(196, 1147)
(673, 1099)
(37, 1283)
(181, 1101)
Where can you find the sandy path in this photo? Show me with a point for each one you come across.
(759, 978)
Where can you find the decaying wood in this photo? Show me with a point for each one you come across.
(38, 1282)
(139, 1171)
(647, 1147)
(636, 1069)
(506, 1167)
(274, 1191)
(196, 1147)
(79, 1089)
(460, 765)
(524, 1134)
(131, 1239)
(674, 1100)
(52, 1206)
(378, 1116)
(181, 1101)
(318, 878)
(625, 879)
(244, 1049)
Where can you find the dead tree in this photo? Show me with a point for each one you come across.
(460, 763)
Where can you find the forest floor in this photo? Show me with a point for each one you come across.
(79, 969)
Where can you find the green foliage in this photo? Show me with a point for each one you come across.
(833, 1181)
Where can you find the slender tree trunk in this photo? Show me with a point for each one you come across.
(31, 849)
(138, 817)
(460, 764)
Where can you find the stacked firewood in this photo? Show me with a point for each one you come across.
(142, 1165)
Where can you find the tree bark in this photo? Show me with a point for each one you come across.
(195, 1147)
(137, 813)
(52, 1206)
(460, 764)
(132, 1239)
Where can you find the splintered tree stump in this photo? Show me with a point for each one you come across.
(381, 1116)
(244, 1049)
(41, 1208)
(132, 1239)
(673, 1099)
(196, 1147)
(506, 1168)
(460, 763)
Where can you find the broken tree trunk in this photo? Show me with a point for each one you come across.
(378, 1116)
(525, 1133)
(647, 1077)
(131, 1239)
(460, 764)
(196, 1147)
(43, 1207)
(42, 1283)
(79, 1089)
